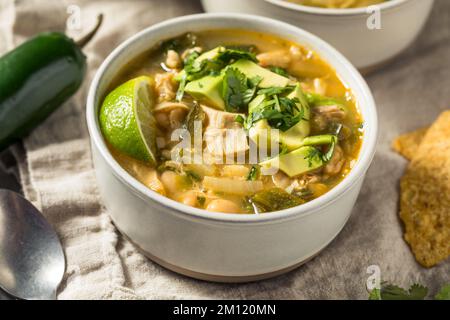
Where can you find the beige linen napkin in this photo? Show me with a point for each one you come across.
(57, 175)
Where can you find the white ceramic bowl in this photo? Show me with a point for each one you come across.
(345, 29)
(216, 246)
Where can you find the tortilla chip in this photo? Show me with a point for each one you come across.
(407, 144)
(425, 196)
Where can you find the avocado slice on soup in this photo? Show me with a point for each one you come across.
(208, 90)
(209, 55)
(268, 78)
(292, 138)
(294, 163)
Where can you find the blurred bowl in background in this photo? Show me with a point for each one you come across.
(345, 29)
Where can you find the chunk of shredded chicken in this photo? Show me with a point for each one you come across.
(165, 86)
(283, 58)
(223, 135)
(335, 165)
(324, 115)
(277, 58)
(281, 180)
(332, 112)
(220, 119)
(173, 60)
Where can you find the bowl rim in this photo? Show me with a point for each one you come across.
(364, 159)
(334, 12)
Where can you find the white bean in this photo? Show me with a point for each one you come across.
(222, 205)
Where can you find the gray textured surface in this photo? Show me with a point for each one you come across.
(410, 93)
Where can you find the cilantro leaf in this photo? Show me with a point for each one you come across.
(196, 69)
(189, 71)
(281, 113)
(253, 174)
(313, 155)
(181, 87)
(194, 115)
(393, 292)
(444, 293)
(230, 55)
(238, 90)
(375, 294)
(234, 86)
(276, 90)
(417, 292)
(243, 47)
(240, 119)
(280, 71)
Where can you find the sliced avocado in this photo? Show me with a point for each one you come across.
(207, 90)
(261, 128)
(294, 163)
(319, 140)
(293, 137)
(211, 54)
(256, 102)
(269, 78)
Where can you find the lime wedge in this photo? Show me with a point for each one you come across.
(127, 122)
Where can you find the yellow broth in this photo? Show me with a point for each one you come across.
(185, 183)
(337, 4)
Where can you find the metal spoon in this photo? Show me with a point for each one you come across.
(32, 261)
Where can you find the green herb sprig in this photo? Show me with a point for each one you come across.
(195, 69)
(238, 90)
(415, 292)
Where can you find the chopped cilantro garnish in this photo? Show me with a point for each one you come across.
(195, 69)
(280, 71)
(240, 119)
(181, 87)
(247, 48)
(444, 294)
(276, 90)
(238, 90)
(281, 113)
(230, 55)
(313, 155)
(415, 292)
(253, 174)
(196, 114)
(329, 154)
